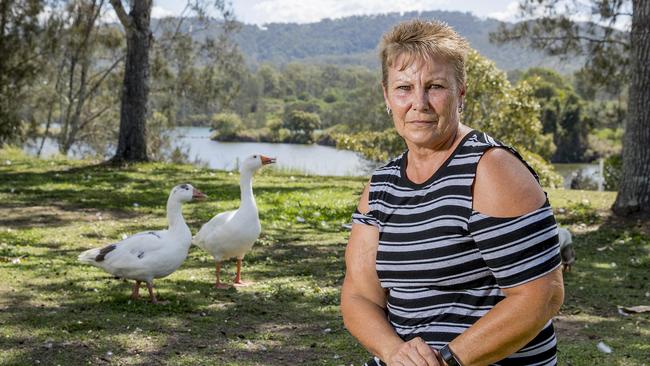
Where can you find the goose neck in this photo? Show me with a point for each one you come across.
(175, 214)
(246, 188)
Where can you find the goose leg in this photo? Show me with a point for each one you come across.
(238, 281)
(218, 283)
(151, 294)
(135, 294)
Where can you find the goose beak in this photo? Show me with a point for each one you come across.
(267, 160)
(198, 195)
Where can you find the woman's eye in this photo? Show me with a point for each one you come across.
(403, 87)
(436, 86)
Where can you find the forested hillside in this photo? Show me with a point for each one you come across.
(353, 41)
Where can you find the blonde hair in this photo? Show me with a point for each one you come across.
(423, 40)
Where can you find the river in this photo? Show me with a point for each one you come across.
(303, 159)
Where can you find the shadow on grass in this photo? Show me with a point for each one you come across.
(612, 270)
(199, 323)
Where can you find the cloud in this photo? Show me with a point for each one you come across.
(300, 11)
(508, 15)
(160, 12)
(109, 16)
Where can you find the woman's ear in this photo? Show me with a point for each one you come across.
(383, 87)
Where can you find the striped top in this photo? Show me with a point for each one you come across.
(444, 264)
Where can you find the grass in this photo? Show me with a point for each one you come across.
(56, 311)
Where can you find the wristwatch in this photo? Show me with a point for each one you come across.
(449, 356)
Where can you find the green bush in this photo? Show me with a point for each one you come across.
(226, 126)
(613, 169)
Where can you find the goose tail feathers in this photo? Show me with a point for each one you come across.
(88, 256)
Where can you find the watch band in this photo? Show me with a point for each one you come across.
(448, 356)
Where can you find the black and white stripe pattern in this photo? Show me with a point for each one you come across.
(444, 264)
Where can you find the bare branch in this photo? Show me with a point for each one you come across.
(581, 38)
(94, 116)
(124, 18)
(105, 74)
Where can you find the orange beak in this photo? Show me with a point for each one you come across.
(267, 160)
(198, 195)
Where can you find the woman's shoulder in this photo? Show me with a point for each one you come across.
(504, 186)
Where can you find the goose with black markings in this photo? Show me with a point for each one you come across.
(149, 254)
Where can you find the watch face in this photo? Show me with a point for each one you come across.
(448, 356)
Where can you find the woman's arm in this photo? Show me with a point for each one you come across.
(505, 188)
(363, 302)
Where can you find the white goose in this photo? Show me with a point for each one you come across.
(149, 254)
(233, 233)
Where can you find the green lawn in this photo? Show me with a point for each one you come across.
(54, 310)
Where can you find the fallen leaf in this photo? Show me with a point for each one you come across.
(602, 347)
(637, 309)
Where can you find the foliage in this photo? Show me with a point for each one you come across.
(613, 170)
(376, 146)
(353, 41)
(158, 138)
(551, 29)
(548, 176)
(301, 125)
(561, 114)
(197, 76)
(226, 126)
(79, 83)
(507, 112)
(609, 51)
(20, 43)
(605, 142)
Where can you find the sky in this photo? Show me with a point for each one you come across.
(305, 11)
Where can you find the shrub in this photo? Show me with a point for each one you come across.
(226, 126)
(613, 167)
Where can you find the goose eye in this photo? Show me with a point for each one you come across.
(184, 186)
(255, 156)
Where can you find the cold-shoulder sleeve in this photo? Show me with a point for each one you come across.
(365, 219)
(517, 249)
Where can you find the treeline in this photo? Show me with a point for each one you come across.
(307, 103)
(353, 41)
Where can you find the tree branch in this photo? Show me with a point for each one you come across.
(105, 74)
(94, 116)
(582, 38)
(124, 18)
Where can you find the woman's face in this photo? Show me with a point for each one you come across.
(424, 99)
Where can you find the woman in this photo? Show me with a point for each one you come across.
(453, 257)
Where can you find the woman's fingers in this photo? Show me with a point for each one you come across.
(414, 353)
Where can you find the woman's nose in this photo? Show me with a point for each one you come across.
(420, 101)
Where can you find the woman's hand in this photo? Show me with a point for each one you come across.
(414, 353)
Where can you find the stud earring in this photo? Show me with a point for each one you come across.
(460, 107)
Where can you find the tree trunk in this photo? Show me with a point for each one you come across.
(132, 143)
(634, 190)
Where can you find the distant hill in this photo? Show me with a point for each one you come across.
(353, 41)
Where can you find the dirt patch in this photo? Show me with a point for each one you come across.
(43, 216)
(568, 327)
